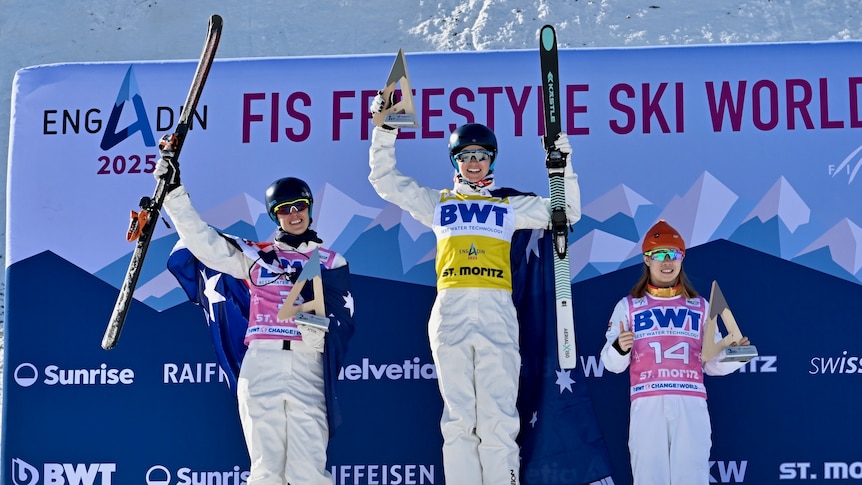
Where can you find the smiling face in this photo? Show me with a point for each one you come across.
(663, 268)
(469, 165)
(294, 218)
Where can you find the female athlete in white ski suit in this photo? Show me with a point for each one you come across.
(661, 323)
(280, 389)
(473, 327)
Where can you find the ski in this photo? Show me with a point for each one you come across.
(556, 164)
(143, 224)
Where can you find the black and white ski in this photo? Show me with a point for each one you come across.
(556, 164)
(143, 224)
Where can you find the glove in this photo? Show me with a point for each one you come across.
(312, 336)
(380, 103)
(562, 143)
(167, 168)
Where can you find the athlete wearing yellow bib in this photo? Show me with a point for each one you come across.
(473, 326)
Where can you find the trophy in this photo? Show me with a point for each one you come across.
(318, 319)
(403, 113)
(711, 348)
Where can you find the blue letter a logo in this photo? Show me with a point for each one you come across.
(128, 92)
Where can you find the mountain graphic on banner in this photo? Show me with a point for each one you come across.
(841, 245)
(774, 225)
(388, 243)
(404, 248)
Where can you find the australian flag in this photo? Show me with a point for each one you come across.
(560, 437)
(225, 302)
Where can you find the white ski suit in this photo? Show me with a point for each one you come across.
(282, 405)
(473, 327)
(669, 428)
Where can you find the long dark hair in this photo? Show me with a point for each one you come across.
(640, 288)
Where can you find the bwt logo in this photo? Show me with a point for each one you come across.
(24, 473)
(26, 374)
(666, 318)
(452, 213)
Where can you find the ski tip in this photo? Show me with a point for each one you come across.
(216, 20)
(547, 37)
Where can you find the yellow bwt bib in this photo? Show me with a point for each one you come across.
(474, 239)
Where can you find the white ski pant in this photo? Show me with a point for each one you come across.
(283, 413)
(669, 440)
(474, 342)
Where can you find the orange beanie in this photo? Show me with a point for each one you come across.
(662, 235)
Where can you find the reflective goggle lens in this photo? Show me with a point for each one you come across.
(665, 254)
(293, 206)
(479, 155)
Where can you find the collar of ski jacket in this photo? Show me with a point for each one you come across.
(664, 292)
(483, 187)
(295, 240)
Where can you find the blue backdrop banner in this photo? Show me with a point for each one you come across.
(751, 151)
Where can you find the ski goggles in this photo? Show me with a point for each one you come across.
(665, 254)
(298, 205)
(479, 155)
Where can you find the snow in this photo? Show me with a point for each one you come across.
(34, 32)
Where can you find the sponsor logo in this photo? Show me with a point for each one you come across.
(403, 474)
(129, 108)
(848, 167)
(192, 373)
(24, 473)
(468, 212)
(830, 470)
(26, 375)
(761, 364)
(845, 364)
(727, 471)
(664, 318)
(592, 365)
(161, 475)
(410, 369)
(472, 252)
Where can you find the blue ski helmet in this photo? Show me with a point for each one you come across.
(288, 189)
(472, 134)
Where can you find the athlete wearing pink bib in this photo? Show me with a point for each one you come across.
(281, 388)
(657, 332)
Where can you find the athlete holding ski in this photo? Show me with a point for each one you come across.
(473, 327)
(284, 385)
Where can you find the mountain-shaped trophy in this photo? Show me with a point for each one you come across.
(711, 348)
(401, 114)
(301, 312)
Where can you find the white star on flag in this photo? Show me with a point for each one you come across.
(533, 245)
(348, 302)
(210, 292)
(564, 380)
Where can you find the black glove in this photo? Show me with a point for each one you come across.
(167, 168)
